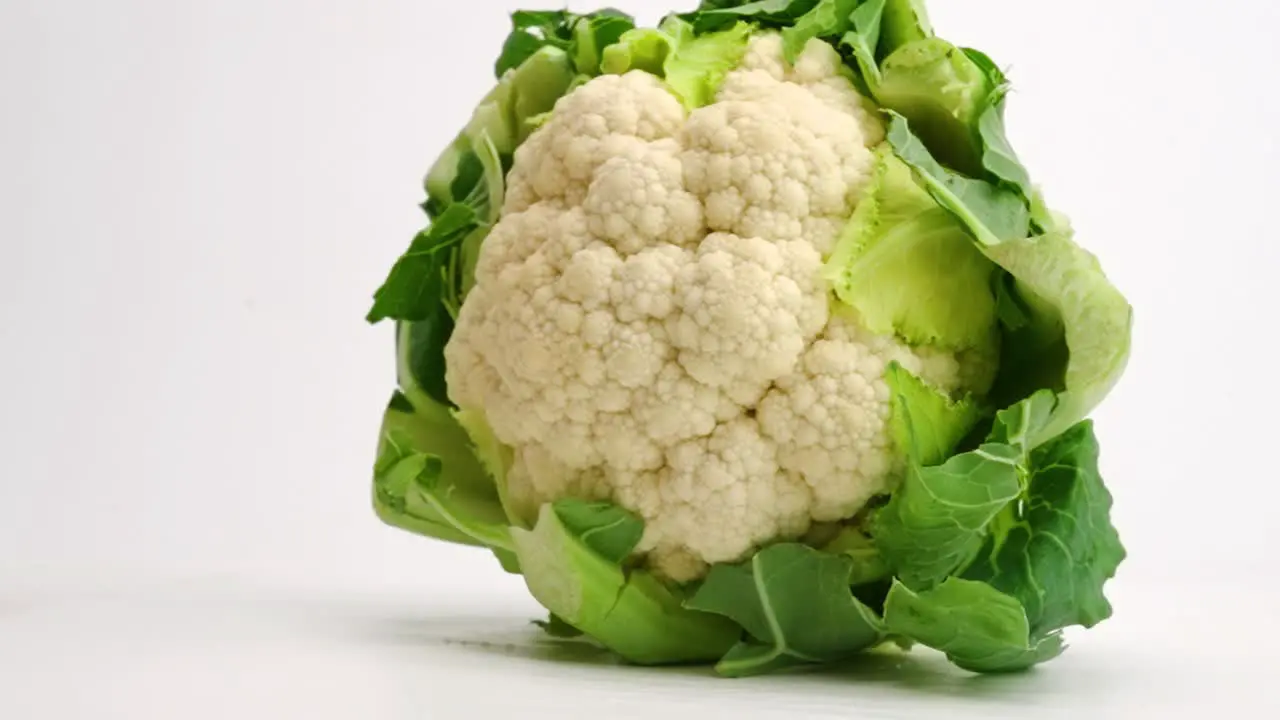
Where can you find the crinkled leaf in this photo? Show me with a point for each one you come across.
(1057, 550)
(629, 612)
(992, 214)
(925, 423)
(938, 517)
(794, 602)
(978, 627)
(910, 268)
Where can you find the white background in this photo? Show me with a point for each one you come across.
(197, 199)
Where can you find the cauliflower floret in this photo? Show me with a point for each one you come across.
(649, 323)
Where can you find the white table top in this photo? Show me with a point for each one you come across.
(226, 648)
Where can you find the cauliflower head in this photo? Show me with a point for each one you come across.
(650, 324)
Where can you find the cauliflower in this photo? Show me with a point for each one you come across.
(734, 324)
(650, 312)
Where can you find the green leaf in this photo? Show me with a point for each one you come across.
(629, 612)
(694, 66)
(795, 603)
(992, 214)
(998, 156)
(869, 565)
(910, 268)
(926, 424)
(1059, 547)
(863, 38)
(904, 21)
(768, 13)
(413, 288)
(1021, 425)
(532, 30)
(978, 627)
(827, 19)
(938, 517)
(592, 34)
(480, 519)
(610, 531)
(1077, 339)
(942, 93)
(420, 438)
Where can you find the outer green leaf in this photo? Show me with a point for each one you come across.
(998, 156)
(862, 39)
(942, 92)
(413, 288)
(1059, 548)
(869, 564)
(905, 21)
(992, 214)
(422, 438)
(769, 13)
(1078, 338)
(1023, 423)
(796, 604)
(926, 424)
(612, 532)
(910, 268)
(479, 518)
(938, 517)
(694, 66)
(595, 33)
(531, 30)
(979, 628)
(827, 19)
(631, 613)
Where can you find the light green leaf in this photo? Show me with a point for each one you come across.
(694, 66)
(1077, 340)
(904, 21)
(978, 627)
(607, 529)
(926, 424)
(827, 19)
(862, 39)
(910, 268)
(796, 604)
(938, 517)
(1058, 549)
(420, 438)
(629, 612)
(942, 93)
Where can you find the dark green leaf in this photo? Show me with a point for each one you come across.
(991, 213)
(938, 517)
(413, 288)
(1059, 548)
(979, 628)
(795, 603)
(609, 530)
(420, 346)
(770, 13)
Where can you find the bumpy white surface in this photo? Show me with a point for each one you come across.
(649, 326)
